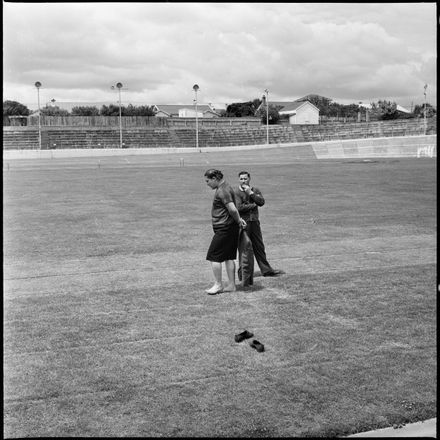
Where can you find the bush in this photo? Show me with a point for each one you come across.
(14, 108)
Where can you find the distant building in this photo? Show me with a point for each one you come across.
(399, 108)
(184, 111)
(299, 112)
(303, 112)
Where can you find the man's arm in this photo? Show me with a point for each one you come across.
(243, 206)
(255, 195)
(235, 214)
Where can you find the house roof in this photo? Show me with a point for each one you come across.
(277, 104)
(281, 104)
(402, 109)
(294, 106)
(289, 106)
(285, 108)
(173, 109)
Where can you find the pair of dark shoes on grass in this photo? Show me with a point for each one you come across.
(247, 335)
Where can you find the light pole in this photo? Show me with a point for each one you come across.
(38, 85)
(424, 110)
(266, 99)
(119, 87)
(196, 88)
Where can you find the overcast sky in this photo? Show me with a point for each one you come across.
(347, 52)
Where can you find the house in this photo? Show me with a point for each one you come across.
(303, 112)
(184, 111)
(401, 109)
(299, 112)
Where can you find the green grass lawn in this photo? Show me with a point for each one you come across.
(108, 331)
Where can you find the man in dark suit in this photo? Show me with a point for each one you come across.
(248, 199)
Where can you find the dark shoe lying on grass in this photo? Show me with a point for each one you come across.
(243, 335)
(257, 345)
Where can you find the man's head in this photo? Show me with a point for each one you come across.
(244, 177)
(213, 178)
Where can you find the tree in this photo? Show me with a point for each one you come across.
(110, 110)
(385, 110)
(14, 108)
(240, 109)
(256, 104)
(349, 110)
(142, 110)
(419, 111)
(321, 102)
(85, 111)
(130, 110)
(274, 115)
(50, 110)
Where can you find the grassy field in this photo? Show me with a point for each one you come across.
(108, 331)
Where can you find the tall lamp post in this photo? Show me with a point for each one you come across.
(119, 87)
(424, 110)
(196, 88)
(265, 99)
(38, 85)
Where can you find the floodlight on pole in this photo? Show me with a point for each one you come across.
(38, 85)
(119, 87)
(424, 111)
(266, 98)
(196, 88)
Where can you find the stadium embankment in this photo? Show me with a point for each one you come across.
(386, 147)
(406, 146)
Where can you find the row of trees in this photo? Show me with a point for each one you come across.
(382, 110)
(14, 108)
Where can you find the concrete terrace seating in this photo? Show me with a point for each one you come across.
(21, 140)
(56, 137)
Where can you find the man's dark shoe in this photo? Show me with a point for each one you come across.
(273, 273)
(243, 335)
(257, 345)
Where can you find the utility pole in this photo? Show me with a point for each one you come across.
(266, 98)
(424, 111)
(196, 88)
(119, 86)
(38, 85)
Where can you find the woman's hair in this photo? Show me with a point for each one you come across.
(212, 173)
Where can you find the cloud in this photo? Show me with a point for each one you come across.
(232, 50)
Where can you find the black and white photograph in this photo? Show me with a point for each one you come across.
(219, 220)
